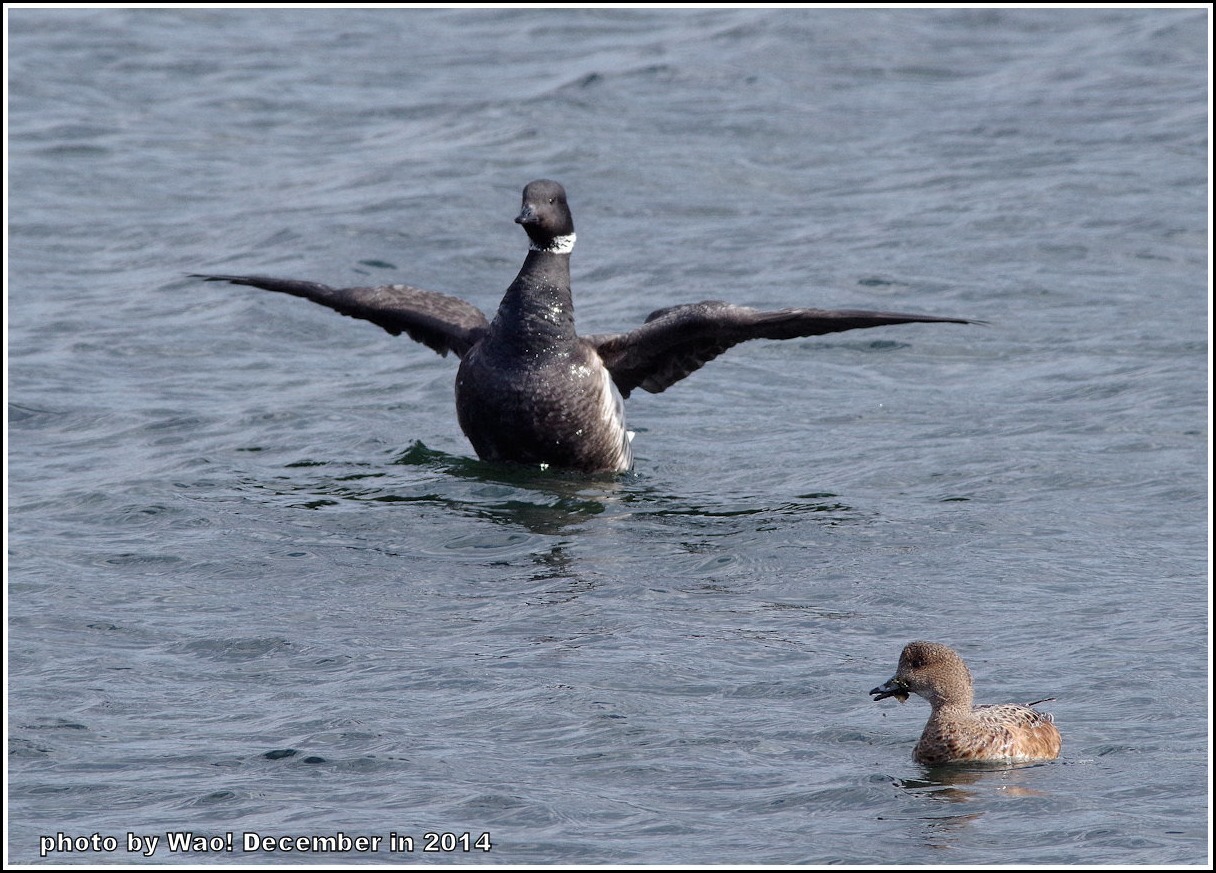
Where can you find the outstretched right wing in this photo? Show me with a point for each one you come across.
(438, 321)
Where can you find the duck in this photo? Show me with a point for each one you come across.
(957, 730)
(529, 389)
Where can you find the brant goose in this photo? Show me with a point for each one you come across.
(529, 389)
(958, 731)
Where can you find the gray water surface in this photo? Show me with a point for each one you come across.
(258, 583)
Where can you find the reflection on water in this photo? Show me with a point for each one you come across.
(541, 517)
(953, 782)
(543, 502)
(962, 784)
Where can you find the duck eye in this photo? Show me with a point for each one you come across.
(916, 663)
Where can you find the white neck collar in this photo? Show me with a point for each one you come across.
(561, 245)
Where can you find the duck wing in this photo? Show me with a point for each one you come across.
(438, 321)
(679, 340)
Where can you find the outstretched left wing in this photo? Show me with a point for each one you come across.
(679, 340)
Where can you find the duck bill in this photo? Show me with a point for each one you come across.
(891, 688)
